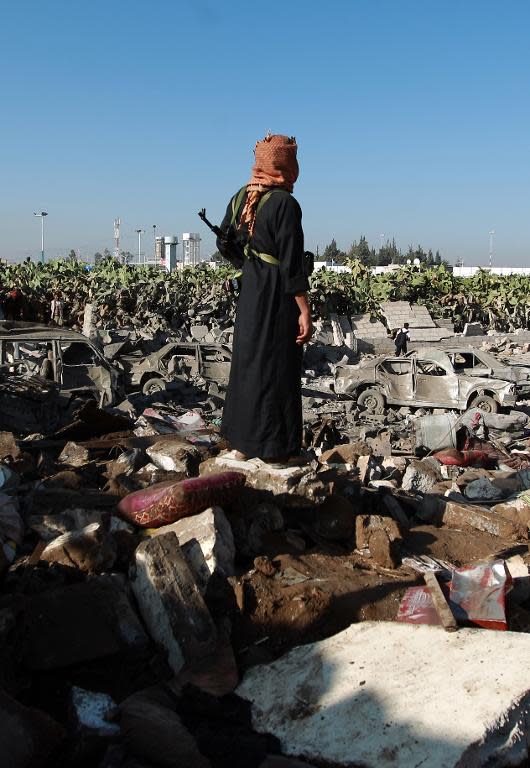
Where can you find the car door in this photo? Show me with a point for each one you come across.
(80, 368)
(395, 379)
(435, 386)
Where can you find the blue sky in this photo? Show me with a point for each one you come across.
(412, 119)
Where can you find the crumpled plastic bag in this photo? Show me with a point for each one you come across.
(164, 503)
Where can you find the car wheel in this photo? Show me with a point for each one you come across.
(372, 400)
(486, 404)
(153, 385)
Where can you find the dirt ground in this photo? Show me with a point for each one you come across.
(290, 600)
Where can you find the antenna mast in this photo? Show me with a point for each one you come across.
(117, 223)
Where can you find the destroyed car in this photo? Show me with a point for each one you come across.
(477, 362)
(62, 356)
(425, 379)
(151, 373)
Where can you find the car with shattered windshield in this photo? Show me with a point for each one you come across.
(151, 373)
(62, 356)
(478, 362)
(423, 379)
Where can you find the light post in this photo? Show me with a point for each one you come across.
(492, 232)
(154, 242)
(139, 232)
(41, 215)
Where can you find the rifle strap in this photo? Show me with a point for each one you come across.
(236, 205)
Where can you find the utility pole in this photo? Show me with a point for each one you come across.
(382, 238)
(41, 215)
(154, 243)
(139, 232)
(492, 233)
(117, 223)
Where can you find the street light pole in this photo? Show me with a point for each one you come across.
(492, 232)
(154, 242)
(139, 232)
(41, 215)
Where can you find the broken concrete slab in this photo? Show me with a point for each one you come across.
(74, 455)
(153, 731)
(335, 702)
(170, 601)
(381, 535)
(173, 456)
(293, 485)
(465, 516)
(99, 622)
(421, 475)
(473, 329)
(90, 549)
(207, 542)
(28, 737)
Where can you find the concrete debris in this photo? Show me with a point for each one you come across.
(134, 637)
(170, 602)
(290, 485)
(421, 476)
(336, 696)
(90, 549)
(473, 329)
(207, 543)
(28, 737)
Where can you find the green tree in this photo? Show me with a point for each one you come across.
(333, 254)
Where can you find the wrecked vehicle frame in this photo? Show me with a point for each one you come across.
(62, 356)
(425, 379)
(151, 373)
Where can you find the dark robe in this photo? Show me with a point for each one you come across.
(262, 415)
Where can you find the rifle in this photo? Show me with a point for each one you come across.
(215, 229)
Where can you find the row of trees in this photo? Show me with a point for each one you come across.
(388, 253)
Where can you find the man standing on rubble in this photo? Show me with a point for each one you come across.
(262, 415)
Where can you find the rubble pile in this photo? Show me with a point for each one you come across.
(164, 602)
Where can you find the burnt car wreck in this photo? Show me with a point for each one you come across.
(151, 373)
(425, 379)
(64, 357)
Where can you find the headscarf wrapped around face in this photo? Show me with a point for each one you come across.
(275, 166)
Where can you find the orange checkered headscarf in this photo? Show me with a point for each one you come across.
(275, 166)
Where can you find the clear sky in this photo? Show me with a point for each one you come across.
(412, 119)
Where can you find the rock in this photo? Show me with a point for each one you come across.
(473, 329)
(292, 485)
(91, 549)
(343, 454)
(465, 516)
(170, 601)
(79, 623)
(516, 510)
(8, 447)
(207, 543)
(198, 332)
(265, 566)
(421, 475)
(173, 456)
(28, 738)
(394, 468)
(335, 518)
(381, 535)
(341, 705)
(93, 712)
(152, 730)
(74, 455)
(252, 528)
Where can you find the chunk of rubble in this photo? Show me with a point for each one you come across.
(74, 455)
(291, 485)
(381, 535)
(252, 528)
(28, 737)
(153, 731)
(90, 549)
(421, 475)
(170, 601)
(207, 543)
(93, 712)
(340, 705)
(454, 514)
(79, 623)
(173, 456)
